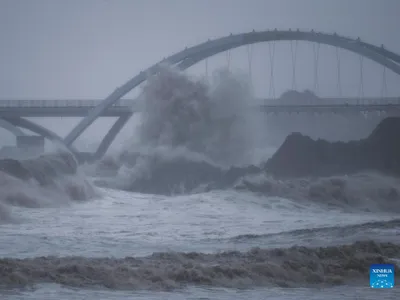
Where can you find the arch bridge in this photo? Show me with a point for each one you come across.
(191, 56)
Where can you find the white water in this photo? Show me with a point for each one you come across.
(123, 224)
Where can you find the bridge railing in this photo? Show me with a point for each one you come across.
(60, 103)
(333, 101)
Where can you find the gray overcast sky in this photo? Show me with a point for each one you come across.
(86, 48)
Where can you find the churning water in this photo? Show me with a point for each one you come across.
(185, 211)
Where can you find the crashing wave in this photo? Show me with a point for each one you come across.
(48, 180)
(181, 112)
(196, 137)
(191, 134)
(370, 192)
(284, 267)
(164, 171)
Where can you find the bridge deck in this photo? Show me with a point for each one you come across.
(80, 108)
(61, 108)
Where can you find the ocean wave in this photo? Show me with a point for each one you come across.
(338, 230)
(49, 180)
(286, 267)
(208, 118)
(187, 124)
(196, 137)
(176, 175)
(368, 191)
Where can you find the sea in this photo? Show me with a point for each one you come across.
(177, 213)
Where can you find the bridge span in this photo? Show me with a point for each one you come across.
(127, 107)
(13, 113)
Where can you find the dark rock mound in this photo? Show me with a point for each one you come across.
(299, 155)
(181, 176)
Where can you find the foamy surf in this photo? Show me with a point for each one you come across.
(291, 267)
(50, 180)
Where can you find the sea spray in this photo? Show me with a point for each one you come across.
(186, 120)
(49, 180)
(180, 111)
(196, 137)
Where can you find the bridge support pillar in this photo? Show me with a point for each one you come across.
(38, 129)
(110, 136)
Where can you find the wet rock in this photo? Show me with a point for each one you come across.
(300, 155)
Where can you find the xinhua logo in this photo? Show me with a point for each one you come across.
(381, 276)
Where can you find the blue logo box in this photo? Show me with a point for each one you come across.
(381, 276)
